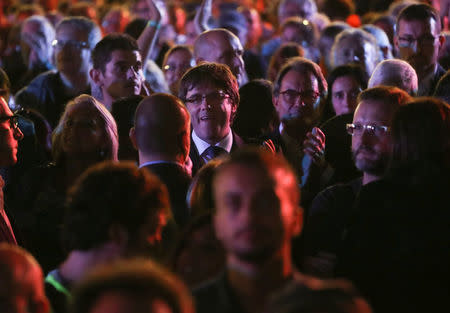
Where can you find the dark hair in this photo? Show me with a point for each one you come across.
(176, 48)
(420, 11)
(285, 52)
(141, 280)
(307, 29)
(219, 75)
(338, 9)
(301, 65)
(112, 193)
(101, 54)
(256, 114)
(135, 27)
(421, 139)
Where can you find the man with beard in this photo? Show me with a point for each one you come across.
(257, 214)
(418, 40)
(331, 211)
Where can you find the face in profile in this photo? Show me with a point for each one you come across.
(371, 149)
(123, 75)
(10, 134)
(83, 133)
(344, 93)
(177, 63)
(211, 110)
(255, 213)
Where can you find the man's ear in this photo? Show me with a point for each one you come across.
(132, 135)
(96, 76)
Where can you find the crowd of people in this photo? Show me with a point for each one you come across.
(228, 156)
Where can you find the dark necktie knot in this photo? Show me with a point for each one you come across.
(212, 152)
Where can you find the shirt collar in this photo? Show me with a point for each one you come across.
(226, 143)
(157, 162)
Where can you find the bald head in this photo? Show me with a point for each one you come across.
(395, 73)
(162, 127)
(21, 282)
(221, 46)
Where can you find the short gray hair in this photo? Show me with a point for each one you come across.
(49, 30)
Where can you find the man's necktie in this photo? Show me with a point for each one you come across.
(212, 152)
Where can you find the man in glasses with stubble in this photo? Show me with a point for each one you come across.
(331, 212)
(49, 92)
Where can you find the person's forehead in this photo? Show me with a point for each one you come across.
(69, 32)
(180, 55)
(124, 55)
(370, 111)
(417, 26)
(202, 87)
(296, 79)
(343, 82)
(242, 178)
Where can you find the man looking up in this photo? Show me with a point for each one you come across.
(49, 92)
(418, 40)
(257, 213)
(10, 134)
(211, 94)
(161, 135)
(221, 46)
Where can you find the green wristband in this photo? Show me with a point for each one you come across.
(154, 24)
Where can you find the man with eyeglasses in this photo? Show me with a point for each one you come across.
(418, 40)
(298, 91)
(10, 134)
(49, 92)
(331, 210)
(211, 94)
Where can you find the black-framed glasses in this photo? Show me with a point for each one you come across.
(410, 42)
(13, 120)
(212, 97)
(358, 129)
(291, 96)
(73, 44)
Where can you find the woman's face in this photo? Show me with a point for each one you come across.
(84, 132)
(344, 93)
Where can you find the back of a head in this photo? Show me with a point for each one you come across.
(101, 54)
(206, 41)
(396, 73)
(421, 138)
(390, 98)
(111, 194)
(161, 121)
(21, 282)
(138, 286)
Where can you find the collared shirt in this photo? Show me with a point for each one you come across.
(157, 162)
(226, 143)
(2, 210)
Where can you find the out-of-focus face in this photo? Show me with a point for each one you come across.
(344, 93)
(190, 32)
(119, 302)
(72, 51)
(10, 134)
(115, 21)
(123, 75)
(176, 65)
(371, 150)
(227, 50)
(356, 51)
(254, 27)
(83, 133)
(296, 102)
(255, 213)
(293, 9)
(292, 34)
(211, 111)
(35, 44)
(418, 43)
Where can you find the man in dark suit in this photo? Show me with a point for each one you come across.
(211, 94)
(161, 135)
(10, 134)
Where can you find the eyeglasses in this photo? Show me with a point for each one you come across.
(357, 129)
(410, 42)
(72, 44)
(213, 97)
(307, 97)
(13, 120)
